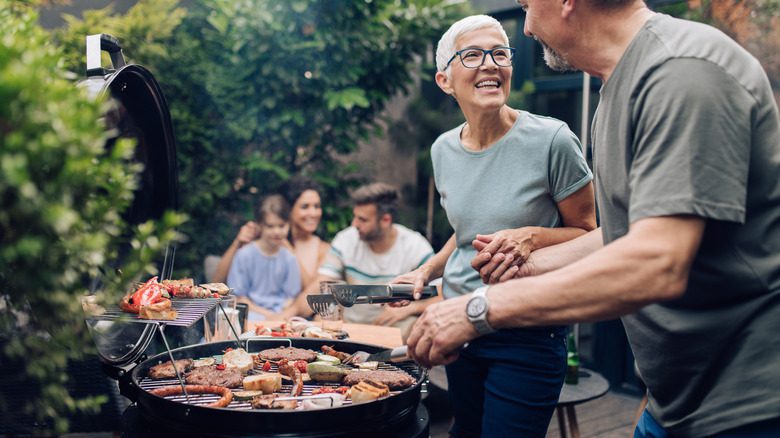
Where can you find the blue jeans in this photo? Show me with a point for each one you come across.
(506, 384)
(647, 427)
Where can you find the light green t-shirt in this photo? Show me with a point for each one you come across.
(516, 182)
(688, 125)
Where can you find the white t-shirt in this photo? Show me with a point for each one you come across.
(352, 260)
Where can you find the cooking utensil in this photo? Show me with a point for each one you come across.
(323, 305)
(350, 294)
(398, 354)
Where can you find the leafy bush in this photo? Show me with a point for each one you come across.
(62, 194)
(260, 90)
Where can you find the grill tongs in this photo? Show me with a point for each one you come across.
(350, 294)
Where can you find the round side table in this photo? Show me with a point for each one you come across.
(591, 385)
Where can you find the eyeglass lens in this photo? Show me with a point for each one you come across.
(473, 58)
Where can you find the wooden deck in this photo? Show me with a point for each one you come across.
(611, 416)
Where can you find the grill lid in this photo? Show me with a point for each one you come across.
(138, 111)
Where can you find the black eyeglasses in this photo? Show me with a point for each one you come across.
(474, 58)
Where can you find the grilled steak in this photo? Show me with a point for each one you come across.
(165, 370)
(211, 376)
(290, 353)
(393, 379)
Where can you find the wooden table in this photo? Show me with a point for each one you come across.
(389, 337)
(591, 385)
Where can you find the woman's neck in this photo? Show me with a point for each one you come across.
(299, 235)
(483, 129)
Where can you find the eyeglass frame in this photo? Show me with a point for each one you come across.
(485, 52)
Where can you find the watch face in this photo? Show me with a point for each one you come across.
(476, 307)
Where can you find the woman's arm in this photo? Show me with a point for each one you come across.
(433, 268)
(246, 234)
(501, 254)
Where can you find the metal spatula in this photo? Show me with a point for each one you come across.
(398, 354)
(350, 294)
(323, 304)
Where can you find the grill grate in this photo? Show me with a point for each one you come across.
(148, 384)
(189, 310)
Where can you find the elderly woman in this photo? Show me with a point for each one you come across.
(510, 182)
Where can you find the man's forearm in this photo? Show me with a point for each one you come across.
(648, 265)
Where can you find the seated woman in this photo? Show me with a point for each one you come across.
(304, 196)
(264, 274)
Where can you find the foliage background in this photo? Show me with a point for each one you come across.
(62, 194)
(261, 90)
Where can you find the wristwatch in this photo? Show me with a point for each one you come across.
(477, 309)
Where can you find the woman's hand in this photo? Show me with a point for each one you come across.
(502, 253)
(248, 232)
(419, 278)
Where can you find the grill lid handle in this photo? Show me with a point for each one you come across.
(103, 42)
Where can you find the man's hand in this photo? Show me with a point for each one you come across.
(502, 253)
(440, 332)
(391, 315)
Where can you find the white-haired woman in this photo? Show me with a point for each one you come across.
(510, 182)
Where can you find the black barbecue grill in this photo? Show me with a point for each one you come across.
(141, 112)
(393, 416)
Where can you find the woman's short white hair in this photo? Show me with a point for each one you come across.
(446, 47)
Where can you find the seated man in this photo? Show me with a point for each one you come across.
(374, 250)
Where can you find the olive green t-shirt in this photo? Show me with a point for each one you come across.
(687, 125)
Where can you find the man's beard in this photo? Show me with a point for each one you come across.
(553, 59)
(372, 235)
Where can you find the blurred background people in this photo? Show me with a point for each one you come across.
(373, 250)
(265, 274)
(303, 194)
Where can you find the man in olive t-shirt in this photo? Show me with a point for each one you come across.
(686, 145)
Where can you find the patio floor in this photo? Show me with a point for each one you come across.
(611, 416)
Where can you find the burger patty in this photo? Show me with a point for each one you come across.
(165, 370)
(289, 353)
(393, 379)
(211, 376)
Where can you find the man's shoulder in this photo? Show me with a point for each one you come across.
(409, 238)
(344, 239)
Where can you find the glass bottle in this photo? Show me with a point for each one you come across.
(572, 359)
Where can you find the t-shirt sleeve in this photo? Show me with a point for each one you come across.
(691, 148)
(237, 279)
(333, 265)
(568, 171)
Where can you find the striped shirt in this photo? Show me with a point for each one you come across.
(352, 260)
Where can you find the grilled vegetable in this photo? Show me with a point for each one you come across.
(325, 372)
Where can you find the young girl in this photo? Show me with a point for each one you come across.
(264, 274)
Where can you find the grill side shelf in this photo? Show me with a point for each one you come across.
(189, 310)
